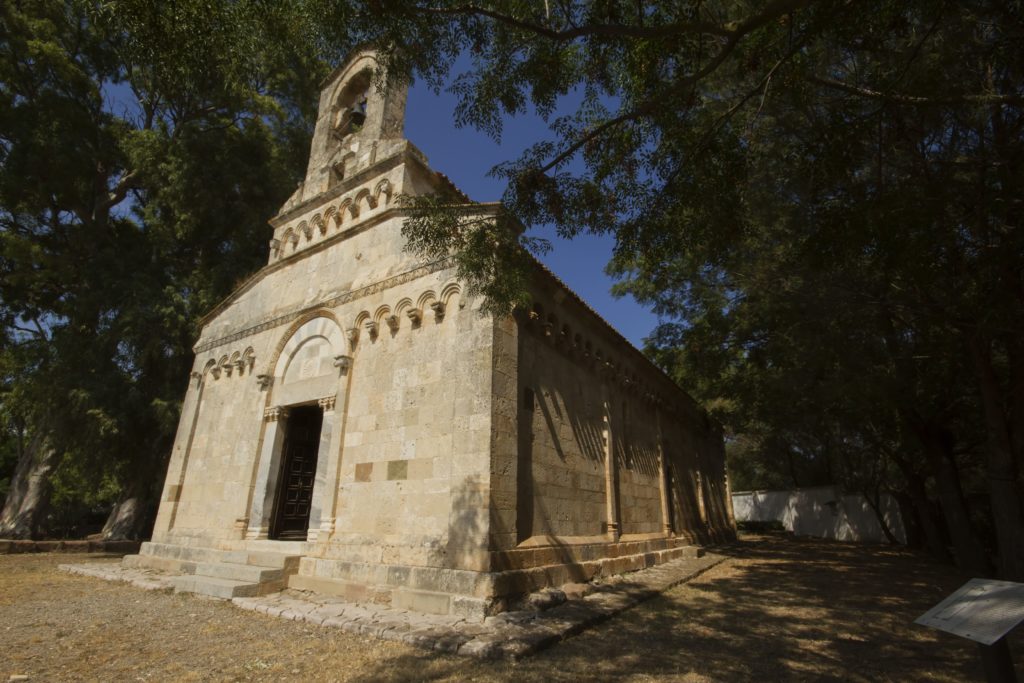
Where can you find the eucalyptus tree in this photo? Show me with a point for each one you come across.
(142, 147)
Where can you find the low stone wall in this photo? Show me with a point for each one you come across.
(9, 547)
(823, 511)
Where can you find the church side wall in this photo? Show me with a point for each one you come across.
(561, 450)
(606, 449)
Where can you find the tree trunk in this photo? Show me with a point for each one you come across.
(28, 499)
(873, 499)
(131, 516)
(1002, 471)
(937, 444)
(926, 518)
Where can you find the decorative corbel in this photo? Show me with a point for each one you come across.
(240, 364)
(352, 334)
(416, 316)
(197, 376)
(343, 363)
(371, 329)
(438, 308)
(275, 248)
(392, 321)
(215, 371)
(264, 381)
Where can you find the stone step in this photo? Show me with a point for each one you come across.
(241, 572)
(161, 564)
(223, 588)
(262, 556)
(354, 592)
(287, 563)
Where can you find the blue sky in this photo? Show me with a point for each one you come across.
(466, 155)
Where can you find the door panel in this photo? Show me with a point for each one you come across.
(298, 474)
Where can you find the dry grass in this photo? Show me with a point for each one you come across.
(778, 609)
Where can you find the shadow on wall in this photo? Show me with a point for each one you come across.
(822, 511)
(467, 525)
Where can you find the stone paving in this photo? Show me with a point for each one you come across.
(547, 617)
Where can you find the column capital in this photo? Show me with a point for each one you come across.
(327, 403)
(275, 413)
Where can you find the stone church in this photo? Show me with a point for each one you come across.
(356, 425)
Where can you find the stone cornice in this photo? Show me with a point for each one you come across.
(330, 302)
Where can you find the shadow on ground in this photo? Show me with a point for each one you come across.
(777, 609)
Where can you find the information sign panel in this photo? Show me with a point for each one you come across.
(982, 610)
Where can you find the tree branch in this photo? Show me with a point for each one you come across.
(605, 30)
(900, 98)
(117, 194)
(594, 133)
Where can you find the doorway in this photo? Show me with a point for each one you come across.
(298, 474)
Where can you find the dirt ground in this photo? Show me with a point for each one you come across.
(777, 609)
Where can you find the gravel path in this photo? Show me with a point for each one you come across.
(778, 609)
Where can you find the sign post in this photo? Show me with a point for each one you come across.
(984, 611)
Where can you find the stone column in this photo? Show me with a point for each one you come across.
(700, 500)
(612, 525)
(328, 464)
(666, 518)
(323, 465)
(168, 510)
(267, 472)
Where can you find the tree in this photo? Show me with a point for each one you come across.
(142, 147)
(822, 199)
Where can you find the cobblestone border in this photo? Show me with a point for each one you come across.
(510, 635)
(12, 547)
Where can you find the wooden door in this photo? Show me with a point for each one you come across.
(298, 473)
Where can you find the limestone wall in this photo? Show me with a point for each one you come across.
(601, 446)
(415, 451)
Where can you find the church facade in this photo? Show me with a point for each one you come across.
(356, 424)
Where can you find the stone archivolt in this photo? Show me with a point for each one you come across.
(387, 318)
(333, 218)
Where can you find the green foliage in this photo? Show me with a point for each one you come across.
(489, 250)
(143, 147)
(821, 201)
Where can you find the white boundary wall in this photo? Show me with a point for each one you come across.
(821, 511)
